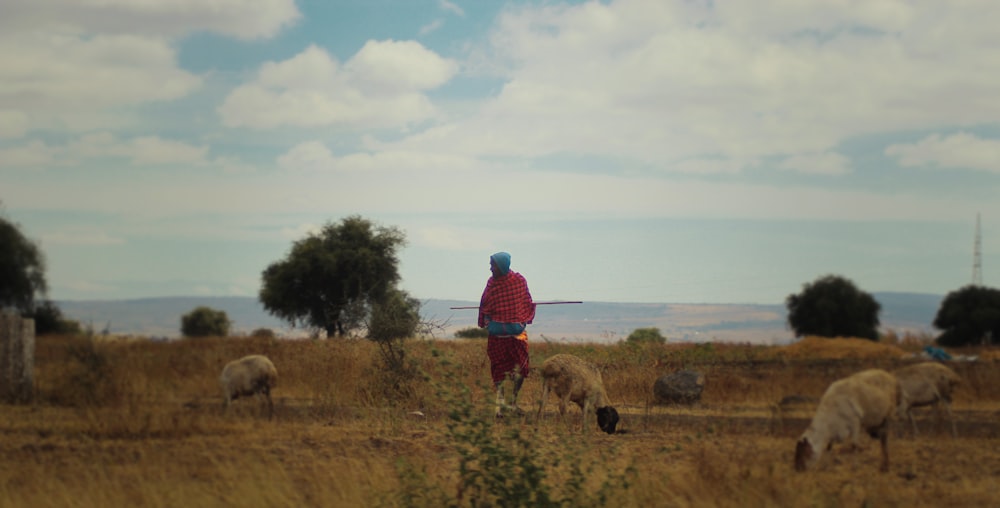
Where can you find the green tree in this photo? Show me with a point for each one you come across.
(22, 269)
(395, 317)
(969, 316)
(643, 335)
(49, 319)
(832, 306)
(205, 322)
(331, 279)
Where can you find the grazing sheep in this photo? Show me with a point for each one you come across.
(864, 401)
(250, 375)
(574, 379)
(926, 384)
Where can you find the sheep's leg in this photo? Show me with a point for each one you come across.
(951, 418)
(541, 403)
(270, 403)
(499, 401)
(562, 409)
(518, 381)
(587, 410)
(913, 421)
(883, 435)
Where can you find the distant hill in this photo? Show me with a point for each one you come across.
(589, 321)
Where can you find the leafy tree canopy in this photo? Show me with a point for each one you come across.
(205, 322)
(49, 319)
(22, 269)
(969, 316)
(642, 335)
(396, 316)
(331, 279)
(832, 306)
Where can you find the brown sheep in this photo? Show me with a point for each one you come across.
(865, 401)
(250, 375)
(926, 384)
(575, 379)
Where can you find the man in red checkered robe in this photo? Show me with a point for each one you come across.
(505, 309)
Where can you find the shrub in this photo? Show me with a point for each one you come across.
(265, 333)
(49, 319)
(205, 322)
(511, 467)
(472, 332)
(642, 335)
(832, 306)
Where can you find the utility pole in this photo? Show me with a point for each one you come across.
(977, 256)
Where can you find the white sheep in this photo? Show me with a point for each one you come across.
(575, 379)
(865, 401)
(926, 384)
(250, 375)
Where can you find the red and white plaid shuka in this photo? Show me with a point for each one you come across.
(506, 299)
(508, 355)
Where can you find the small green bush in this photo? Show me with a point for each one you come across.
(472, 332)
(507, 465)
(205, 322)
(644, 335)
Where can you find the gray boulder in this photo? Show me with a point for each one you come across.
(681, 387)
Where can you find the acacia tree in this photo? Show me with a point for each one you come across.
(969, 316)
(22, 269)
(832, 306)
(331, 279)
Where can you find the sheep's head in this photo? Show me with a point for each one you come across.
(804, 454)
(607, 419)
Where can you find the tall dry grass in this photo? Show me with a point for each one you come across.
(139, 423)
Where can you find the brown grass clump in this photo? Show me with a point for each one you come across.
(839, 348)
(989, 355)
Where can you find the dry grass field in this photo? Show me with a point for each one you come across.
(140, 424)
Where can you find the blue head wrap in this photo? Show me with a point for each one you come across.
(502, 260)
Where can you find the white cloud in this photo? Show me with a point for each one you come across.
(88, 287)
(155, 150)
(13, 124)
(80, 238)
(452, 238)
(81, 64)
(659, 82)
(826, 163)
(245, 19)
(431, 27)
(301, 231)
(382, 86)
(307, 156)
(708, 166)
(960, 150)
(451, 7)
(141, 151)
(30, 155)
(77, 81)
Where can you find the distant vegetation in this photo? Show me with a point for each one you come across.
(331, 280)
(205, 322)
(650, 335)
(472, 332)
(832, 306)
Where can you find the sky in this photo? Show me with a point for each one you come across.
(622, 151)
